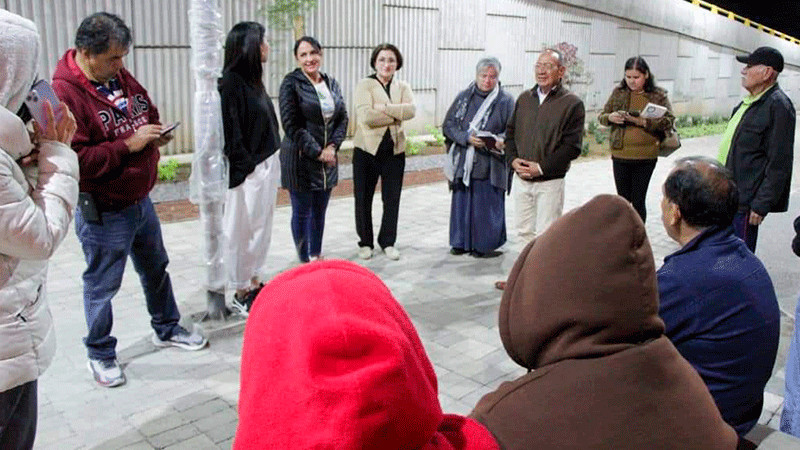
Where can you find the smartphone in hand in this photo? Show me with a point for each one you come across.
(166, 129)
(40, 93)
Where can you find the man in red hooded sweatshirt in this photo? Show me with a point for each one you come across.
(117, 142)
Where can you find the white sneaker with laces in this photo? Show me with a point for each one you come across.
(181, 338)
(106, 372)
(392, 253)
(364, 252)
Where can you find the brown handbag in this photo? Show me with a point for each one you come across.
(670, 143)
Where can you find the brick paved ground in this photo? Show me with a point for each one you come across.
(187, 400)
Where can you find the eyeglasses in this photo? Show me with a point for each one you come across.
(546, 67)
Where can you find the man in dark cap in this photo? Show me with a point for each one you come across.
(757, 146)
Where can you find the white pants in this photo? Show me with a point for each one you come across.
(247, 222)
(538, 204)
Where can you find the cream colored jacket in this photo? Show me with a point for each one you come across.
(371, 124)
(36, 208)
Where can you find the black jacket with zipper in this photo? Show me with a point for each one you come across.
(306, 134)
(761, 153)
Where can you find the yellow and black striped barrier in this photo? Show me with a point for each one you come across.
(743, 20)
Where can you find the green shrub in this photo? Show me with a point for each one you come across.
(436, 133)
(168, 171)
(413, 146)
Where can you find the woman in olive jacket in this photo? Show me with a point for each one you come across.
(314, 121)
(634, 140)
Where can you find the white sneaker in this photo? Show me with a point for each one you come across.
(392, 253)
(106, 372)
(364, 252)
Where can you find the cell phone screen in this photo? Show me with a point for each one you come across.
(40, 93)
(168, 128)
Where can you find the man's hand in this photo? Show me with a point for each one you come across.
(475, 142)
(143, 136)
(164, 139)
(527, 170)
(755, 219)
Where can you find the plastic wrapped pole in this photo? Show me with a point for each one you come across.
(209, 179)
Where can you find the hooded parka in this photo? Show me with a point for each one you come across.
(36, 206)
(580, 312)
(332, 361)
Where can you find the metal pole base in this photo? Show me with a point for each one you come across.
(216, 309)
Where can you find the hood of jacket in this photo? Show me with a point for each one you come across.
(581, 311)
(546, 316)
(331, 360)
(19, 57)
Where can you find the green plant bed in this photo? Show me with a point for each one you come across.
(173, 171)
(705, 129)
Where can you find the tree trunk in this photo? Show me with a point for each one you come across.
(299, 27)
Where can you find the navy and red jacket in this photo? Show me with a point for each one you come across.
(114, 176)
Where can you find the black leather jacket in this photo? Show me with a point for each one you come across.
(306, 133)
(761, 153)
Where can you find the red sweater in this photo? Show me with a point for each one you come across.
(115, 177)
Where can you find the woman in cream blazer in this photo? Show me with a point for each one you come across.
(382, 104)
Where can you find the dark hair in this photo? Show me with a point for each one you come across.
(97, 32)
(704, 192)
(389, 47)
(243, 51)
(638, 63)
(313, 42)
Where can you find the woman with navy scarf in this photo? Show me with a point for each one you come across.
(474, 128)
(314, 122)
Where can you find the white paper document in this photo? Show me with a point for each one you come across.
(653, 111)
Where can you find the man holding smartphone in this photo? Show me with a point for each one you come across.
(117, 142)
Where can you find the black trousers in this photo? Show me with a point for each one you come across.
(632, 176)
(18, 409)
(366, 171)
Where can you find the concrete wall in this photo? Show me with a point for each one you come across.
(690, 50)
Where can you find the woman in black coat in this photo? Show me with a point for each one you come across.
(314, 121)
(251, 143)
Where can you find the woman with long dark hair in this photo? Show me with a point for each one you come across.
(251, 144)
(314, 121)
(634, 140)
(382, 104)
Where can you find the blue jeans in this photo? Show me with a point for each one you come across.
(308, 221)
(133, 231)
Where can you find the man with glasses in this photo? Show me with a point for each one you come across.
(544, 134)
(758, 143)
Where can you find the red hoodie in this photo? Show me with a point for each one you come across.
(116, 177)
(332, 361)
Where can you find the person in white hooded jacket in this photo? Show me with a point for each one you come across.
(38, 194)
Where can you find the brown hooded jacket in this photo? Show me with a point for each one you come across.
(581, 312)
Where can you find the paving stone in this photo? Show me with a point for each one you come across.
(222, 432)
(173, 436)
(205, 410)
(161, 424)
(221, 417)
(200, 442)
